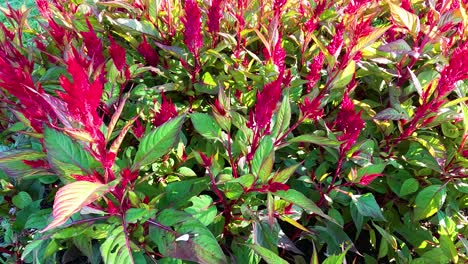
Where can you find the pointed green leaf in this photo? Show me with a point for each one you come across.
(158, 142)
(268, 256)
(429, 201)
(114, 250)
(206, 125)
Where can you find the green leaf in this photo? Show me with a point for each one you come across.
(448, 247)
(283, 175)
(367, 206)
(66, 156)
(261, 153)
(187, 172)
(11, 162)
(301, 200)
(266, 167)
(21, 200)
(450, 130)
(194, 242)
(409, 186)
(345, 76)
(268, 256)
(391, 114)
(283, 117)
(367, 40)
(158, 142)
(388, 237)
(313, 139)
(206, 125)
(140, 26)
(429, 201)
(202, 209)
(114, 249)
(335, 259)
(133, 215)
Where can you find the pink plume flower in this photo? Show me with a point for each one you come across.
(311, 108)
(214, 16)
(149, 54)
(337, 41)
(118, 54)
(314, 71)
(93, 46)
(455, 71)
(192, 27)
(349, 122)
(82, 97)
(166, 111)
(266, 103)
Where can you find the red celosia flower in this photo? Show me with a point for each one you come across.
(349, 122)
(214, 16)
(311, 108)
(266, 103)
(337, 41)
(149, 54)
(118, 55)
(166, 111)
(37, 164)
(94, 177)
(278, 7)
(82, 97)
(93, 46)
(455, 71)
(277, 186)
(111, 209)
(367, 179)
(138, 129)
(279, 55)
(192, 27)
(314, 71)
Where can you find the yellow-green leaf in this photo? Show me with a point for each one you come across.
(405, 19)
(72, 197)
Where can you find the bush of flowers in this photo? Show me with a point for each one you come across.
(248, 131)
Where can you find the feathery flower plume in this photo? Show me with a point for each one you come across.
(192, 27)
(118, 54)
(149, 54)
(214, 16)
(349, 122)
(166, 111)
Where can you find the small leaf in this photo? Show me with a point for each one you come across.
(409, 186)
(345, 76)
(390, 114)
(416, 83)
(429, 201)
(367, 40)
(261, 153)
(21, 200)
(114, 250)
(283, 176)
(266, 167)
(158, 142)
(388, 237)
(398, 46)
(202, 209)
(72, 197)
(283, 117)
(268, 256)
(450, 130)
(141, 26)
(301, 200)
(313, 139)
(367, 206)
(206, 125)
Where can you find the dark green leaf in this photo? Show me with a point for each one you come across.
(321, 141)
(269, 256)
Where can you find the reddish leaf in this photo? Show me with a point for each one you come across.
(367, 179)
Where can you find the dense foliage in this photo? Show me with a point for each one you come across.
(223, 131)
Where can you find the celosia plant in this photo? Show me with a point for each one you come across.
(281, 131)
